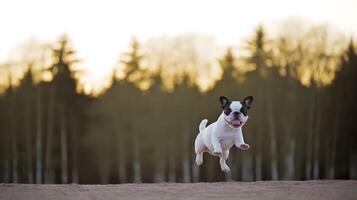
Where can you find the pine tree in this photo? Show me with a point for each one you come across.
(133, 76)
(25, 93)
(263, 78)
(344, 88)
(68, 103)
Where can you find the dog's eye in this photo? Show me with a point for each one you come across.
(244, 111)
(227, 110)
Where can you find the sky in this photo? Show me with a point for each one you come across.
(102, 29)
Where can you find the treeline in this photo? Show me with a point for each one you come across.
(301, 126)
(41, 124)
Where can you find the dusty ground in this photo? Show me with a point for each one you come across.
(338, 190)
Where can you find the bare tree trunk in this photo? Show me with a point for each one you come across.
(6, 172)
(258, 153)
(228, 176)
(186, 177)
(186, 171)
(172, 158)
(7, 156)
(14, 150)
(49, 171)
(172, 167)
(316, 164)
(235, 165)
(331, 164)
(74, 137)
(210, 175)
(195, 172)
(104, 170)
(5, 150)
(160, 165)
(136, 159)
(258, 166)
(310, 132)
(247, 167)
(353, 165)
(64, 146)
(273, 145)
(289, 159)
(121, 159)
(290, 142)
(28, 131)
(39, 136)
(159, 170)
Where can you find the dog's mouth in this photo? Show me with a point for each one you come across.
(235, 123)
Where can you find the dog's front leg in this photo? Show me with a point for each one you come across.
(217, 149)
(239, 141)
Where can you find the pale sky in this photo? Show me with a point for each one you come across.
(101, 29)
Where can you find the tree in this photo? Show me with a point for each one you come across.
(25, 93)
(13, 132)
(343, 90)
(68, 104)
(260, 56)
(133, 73)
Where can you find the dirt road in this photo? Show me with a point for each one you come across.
(300, 190)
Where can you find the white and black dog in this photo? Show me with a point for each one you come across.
(220, 136)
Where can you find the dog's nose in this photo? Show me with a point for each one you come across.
(236, 114)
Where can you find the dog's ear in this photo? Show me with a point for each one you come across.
(248, 101)
(224, 101)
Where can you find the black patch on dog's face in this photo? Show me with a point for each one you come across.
(244, 110)
(225, 103)
(227, 110)
(246, 105)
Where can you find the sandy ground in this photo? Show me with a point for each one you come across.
(286, 190)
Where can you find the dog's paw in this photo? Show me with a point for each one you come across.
(225, 168)
(217, 152)
(199, 160)
(244, 146)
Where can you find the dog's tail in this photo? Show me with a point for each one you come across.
(203, 124)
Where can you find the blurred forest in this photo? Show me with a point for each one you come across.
(142, 128)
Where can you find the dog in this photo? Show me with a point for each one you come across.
(219, 137)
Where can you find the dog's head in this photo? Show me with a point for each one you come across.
(235, 112)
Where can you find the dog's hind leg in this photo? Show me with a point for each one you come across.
(199, 158)
(222, 161)
(200, 147)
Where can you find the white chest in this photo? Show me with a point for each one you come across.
(226, 142)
